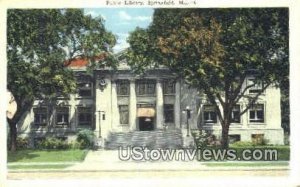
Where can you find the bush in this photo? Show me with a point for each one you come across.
(53, 143)
(86, 138)
(204, 139)
(244, 144)
(22, 143)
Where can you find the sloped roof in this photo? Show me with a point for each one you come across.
(82, 62)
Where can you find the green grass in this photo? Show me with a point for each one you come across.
(71, 155)
(46, 166)
(247, 164)
(282, 150)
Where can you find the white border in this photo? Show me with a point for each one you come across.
(292, 180)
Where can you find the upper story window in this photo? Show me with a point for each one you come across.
(169, 87)
(40, 116)
(84, 89)
(235, 114)
(145, 87)
(122, 87)
(209, 114)
(62, 116)
(85, 116)
(256, 88)
(84, 85)
(257, 114)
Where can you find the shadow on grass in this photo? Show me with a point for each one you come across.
(21, 155)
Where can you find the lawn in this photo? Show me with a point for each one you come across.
(71, 155)
(282, 150)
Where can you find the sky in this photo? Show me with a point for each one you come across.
(122, 21)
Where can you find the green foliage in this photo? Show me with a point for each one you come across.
(204, 139)
(53, 143)
(214, 50)
(86, 138)
(243, 144)
(22, 143)
(39, 43)
(256, 142)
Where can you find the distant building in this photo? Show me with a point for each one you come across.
(119, 101)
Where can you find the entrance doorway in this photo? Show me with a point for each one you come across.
(146, 123)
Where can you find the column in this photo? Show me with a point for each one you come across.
(177, 112)
(114, 103)
(159, 105)
(132, 106)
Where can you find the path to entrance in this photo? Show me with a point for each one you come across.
(108, 160)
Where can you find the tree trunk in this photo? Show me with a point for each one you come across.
(13, 136)
(225, 132)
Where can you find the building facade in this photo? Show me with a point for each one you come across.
(121, 101)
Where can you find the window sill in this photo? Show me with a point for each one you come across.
(210, 123)
(173, 94)
(236, 124)
(257, 124)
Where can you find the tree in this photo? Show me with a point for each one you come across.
(214, 50)
(39, 42)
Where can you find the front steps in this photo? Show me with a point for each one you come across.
(164, 139)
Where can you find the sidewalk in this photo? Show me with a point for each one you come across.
(108, 160)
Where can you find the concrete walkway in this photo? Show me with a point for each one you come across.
(108, 160)
(105, 160)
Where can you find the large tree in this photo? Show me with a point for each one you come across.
(214, 50)
(39, 43)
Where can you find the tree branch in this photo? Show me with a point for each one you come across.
(254, 99)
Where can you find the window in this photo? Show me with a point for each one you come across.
(169, 87)
(84, 85)
(169, 113)
(256, 113)
(123, 87)
(256, 88)
(84, 89)
(124, 114)
(210, 115)
(235, 114)
(62, 116)
(40, 116)
(145, 87)
(85, 116)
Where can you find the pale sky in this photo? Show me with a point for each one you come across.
(122, 21)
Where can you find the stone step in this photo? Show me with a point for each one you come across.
(152, 139)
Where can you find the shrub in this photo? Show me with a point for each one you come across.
(22, 143)
(258, 139)
(242, 144)
(53, 143)
(76, 145)
(86, 138)
(204, 139)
